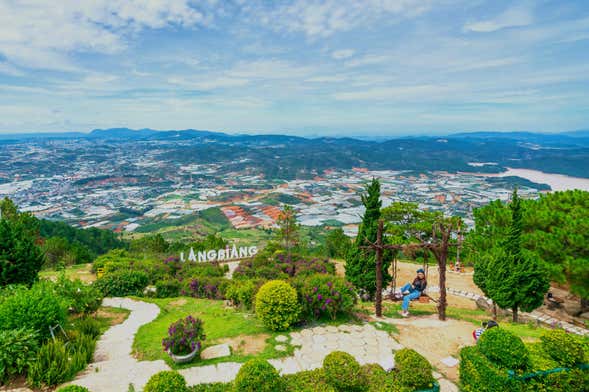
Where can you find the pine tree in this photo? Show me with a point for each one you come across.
(360, 262)
(517, 282)
(288, 228)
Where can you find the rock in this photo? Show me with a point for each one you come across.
(280, 347)
(585, 315)
(281, 339)
(218, 351)
(483, 304)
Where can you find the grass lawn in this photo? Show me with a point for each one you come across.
(73, 272)
(219, 323)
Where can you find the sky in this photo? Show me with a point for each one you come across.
(305, 67)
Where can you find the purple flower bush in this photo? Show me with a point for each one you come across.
(184, 336)
(322, 295)
(282, 266)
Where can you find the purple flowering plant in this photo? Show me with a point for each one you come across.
(326, 295)
(184, 336)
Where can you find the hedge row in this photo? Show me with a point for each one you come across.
(501, 362)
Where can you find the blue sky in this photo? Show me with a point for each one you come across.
(332, 67)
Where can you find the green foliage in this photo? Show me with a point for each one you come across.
(166, 381)
(241, 293)
(167, 288)
(413, 370)
(257, 375)
(80, 297)
(504, 349)
(87, 326)
(213, 387)
(307, 381)
(563, 348)
(73, 388)
(288, 228)
(478, 374)
(52, 365)
(513, 277)
(361, 263)
(83, 244)
(337, 244)
(343, 372)
(277, 305)
(150, 243)
(325, 295)
(18, 348)
(122, 283)
(554, 228)
(20, 258)
(37, 308)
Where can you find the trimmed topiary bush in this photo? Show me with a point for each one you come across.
(277, 305)
(413, 370)
(166, 381)
(73, 388)
(343, 372)
(504, 349)
(478, 374)
(257, 375)
(562, 347)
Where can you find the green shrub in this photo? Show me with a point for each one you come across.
(241, 293)
(81, 298)
(37, 308)
(18, 348)
(213, 387)
(504, 349)
(307, 381)
(73, 388)
(122, 283)
(478, 374)
(257, 375)
(167, 288)
(51, 367)
(87, 326)
(166, 381)
(277, 305)
(343, 372)
(322, 294)
(413, 370)
(562, 347)
(375, 377)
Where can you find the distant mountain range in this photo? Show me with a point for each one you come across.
(283, 156)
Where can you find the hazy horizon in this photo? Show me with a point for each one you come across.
(383, 68)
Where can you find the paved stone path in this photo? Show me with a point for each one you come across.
(535, 315)
(115, 368)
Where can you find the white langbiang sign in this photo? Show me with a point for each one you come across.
(226, 254)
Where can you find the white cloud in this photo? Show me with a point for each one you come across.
(421, 92)
(342, 54)
(516, 16)
(322, 18)
(370, 59)
(209, 83)
(40, 34)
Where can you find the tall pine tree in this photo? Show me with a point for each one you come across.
(518, 281)
(361, 263)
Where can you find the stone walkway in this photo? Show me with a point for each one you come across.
(115, 368)
(535, 315)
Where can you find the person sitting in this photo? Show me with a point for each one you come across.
(413, 290)
(476, 334)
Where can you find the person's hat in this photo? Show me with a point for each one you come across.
(421, 270)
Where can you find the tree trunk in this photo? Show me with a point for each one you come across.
(515, 314)
(494, 311)
(379, 251)
(442, 267)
